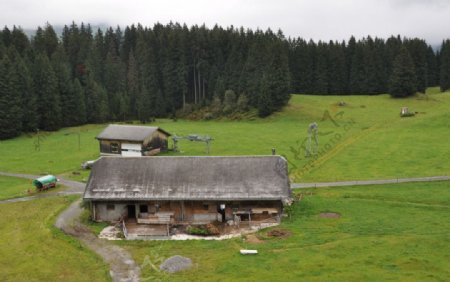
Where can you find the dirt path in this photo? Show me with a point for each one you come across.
(122, 266)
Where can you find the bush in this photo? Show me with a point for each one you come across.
(208, 116)
(212, 229)
(200, 230)
(242, 103)
(188, 108)
(216, 105)
(229, 102)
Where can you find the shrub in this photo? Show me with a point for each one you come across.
(208, 116)
(229, 102)
(242, 103)
(212, 229)
(200, 230)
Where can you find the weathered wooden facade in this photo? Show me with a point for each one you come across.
(188, 190)
(132, 141)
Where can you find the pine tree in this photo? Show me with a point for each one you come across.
(432, 70)
(357, 82)
(10, 100)
(279, 77)
(79, 103)
(337, 71)
(264, 99)
(30, 115)
(144, 105)
(444, 59)
(321, 70)
(403, 77)
(69, 113)
(418, 51)
(97, 110)
(48, 100)
(132, 83)
(20, 40)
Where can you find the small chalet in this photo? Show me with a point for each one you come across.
(132, 141)
(188, 190)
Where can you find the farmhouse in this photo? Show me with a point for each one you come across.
(132, 141)
(188, 190)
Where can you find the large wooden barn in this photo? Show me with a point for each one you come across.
(132, 141)
(188, 190)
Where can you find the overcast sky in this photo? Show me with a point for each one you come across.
(316, 19)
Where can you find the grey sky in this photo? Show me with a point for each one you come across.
(316, 19)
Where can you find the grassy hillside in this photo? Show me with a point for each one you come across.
(11, 187)
(366, 139)
(33, 250)
(390, 232)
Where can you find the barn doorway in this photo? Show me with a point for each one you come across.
(131, 211)
(221, 210)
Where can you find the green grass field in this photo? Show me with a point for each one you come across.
(12, 187)
(387, 232)
(33, 250)
(366, 139)
(391, 232)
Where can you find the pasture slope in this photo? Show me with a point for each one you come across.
(392, 231)
(366, 139)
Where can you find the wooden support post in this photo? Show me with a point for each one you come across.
(93, 211)
(136, 211)
(182, 210)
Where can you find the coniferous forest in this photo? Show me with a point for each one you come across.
(138, 73)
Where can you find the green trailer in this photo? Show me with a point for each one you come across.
(45, 182)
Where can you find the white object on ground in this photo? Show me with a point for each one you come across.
(249, 252)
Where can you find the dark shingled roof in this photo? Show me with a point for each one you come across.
(189, 178)
(128, 132)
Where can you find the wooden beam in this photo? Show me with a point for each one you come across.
(182, 210)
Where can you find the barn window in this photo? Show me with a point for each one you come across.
(110, 207)
(143, 208)
(115, 148)
(205, 206)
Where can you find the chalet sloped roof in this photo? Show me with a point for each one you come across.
(128, 132)
(189, 178)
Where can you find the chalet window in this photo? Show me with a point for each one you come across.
(143, 208)
(110, 207)
(115, 148)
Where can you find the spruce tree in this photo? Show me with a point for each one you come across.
(30, 115)
(79, 103)
(264, 105)
(403, 77)
(132, 83)
(358, 78)
(444, 59)
(97, 110)
(321, 70)
(279, 77)
(10, 100)
(432, 70)
(48, 100)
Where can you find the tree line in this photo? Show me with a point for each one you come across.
(85, 76)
